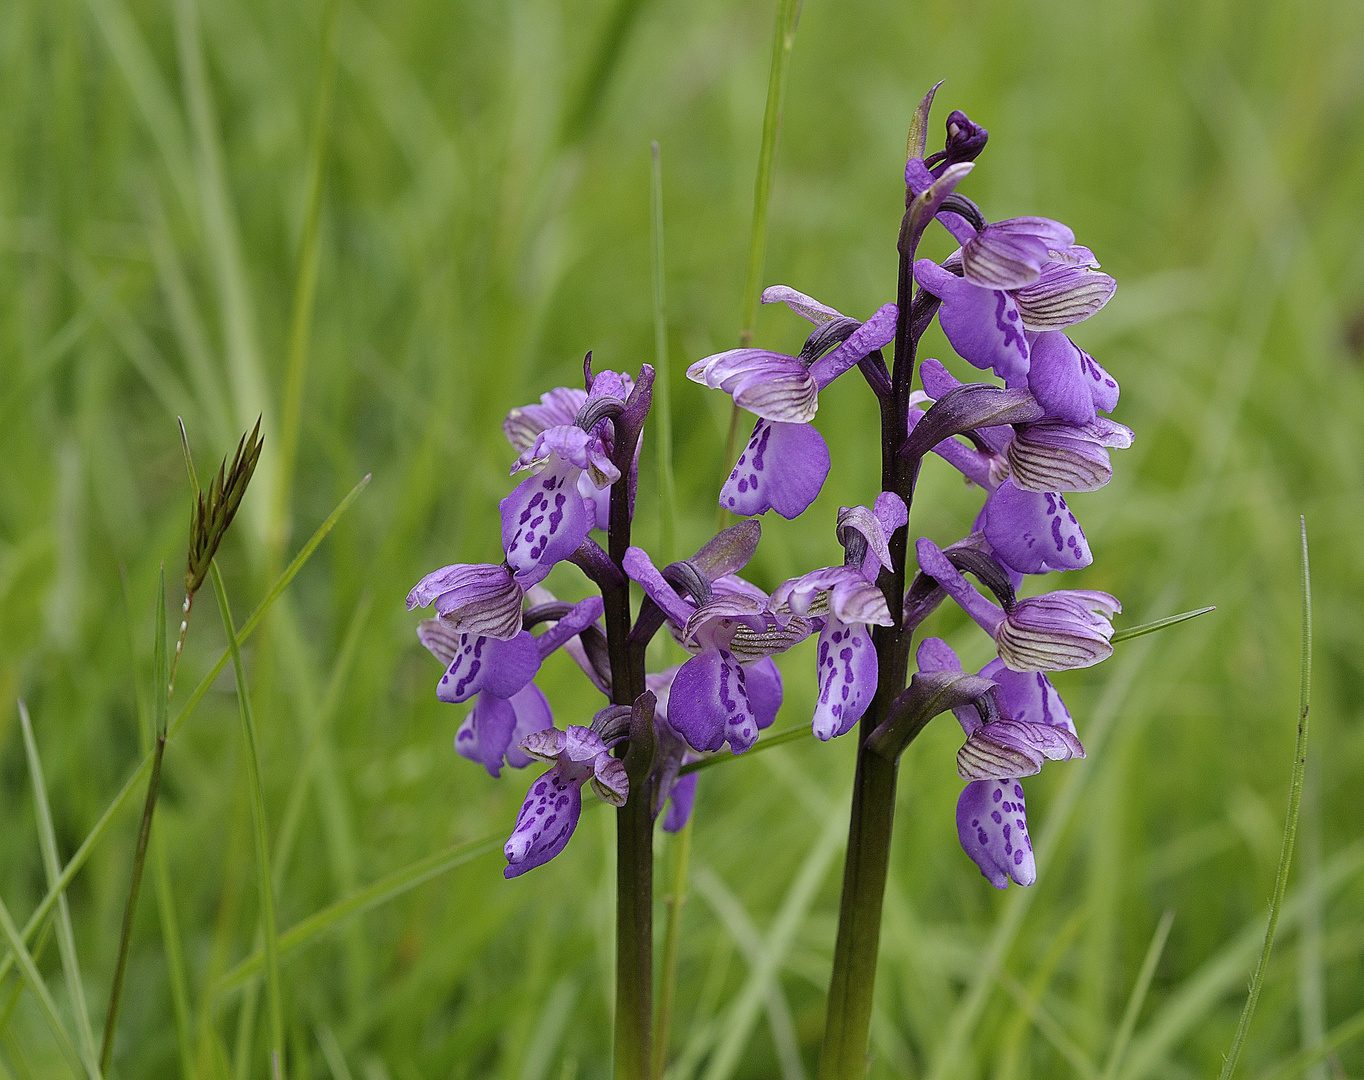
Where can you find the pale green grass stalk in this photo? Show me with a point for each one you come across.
(1290, 825)
(46, 1005)
(783, 41)
(1129, 632)
(1138, 996)
(66, 939)
(663, 394)
(305, 292)
(265, 881)
(125, 793)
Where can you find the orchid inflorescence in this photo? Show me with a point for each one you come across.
(1004, 299)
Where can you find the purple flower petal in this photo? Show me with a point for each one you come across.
(992, 824)
(609, 781)
(1027, 696)
(501, 668)
(989, 617)
(1007, 749)
(983, 325)
(847, 668)
(681, 798)
(1057, 631)
(764, 684)
(1010, 254)
(642, 570)
(582, 615)
(768, 384)
(544, 520)
(1034, 532)
(709, 703)
(547, 820)
(804, 306)
(486, 732)
(1063, 295)
(1066, 381)
(782, 468)
(559, 406)
(532, 714)
(870, 336)
(934, 654)
(1051, 455)
(472, 599)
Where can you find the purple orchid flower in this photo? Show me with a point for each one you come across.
(549, 514)
(1034, 726)
(552, 807)
(671, 752)
(509, 706)
(786, 461)
(1042, 456)
(850, 603)
(559, 408)
(724, 693)
(1068, 628)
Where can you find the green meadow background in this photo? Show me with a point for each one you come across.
(475, 217)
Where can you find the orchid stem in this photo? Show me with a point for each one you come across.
(847, 1025)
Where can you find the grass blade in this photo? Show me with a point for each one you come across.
(380, 892)
(263, 877)
(46, 1005)
(1291, 825)
(305, 290)
(783, 41)
(663, 407)
(1159, 624)
(66, 939)
(125, 793)
(1138, 998)
(786, 735)
(1345, 1032)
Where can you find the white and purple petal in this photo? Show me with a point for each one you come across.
(1069, 628)
(992, 824)
(1028, 696)
(501, 668)
(1063, 295)
(558, 406)
(846, 665)
(768, 384)
(709, 703)
(1052, 455)
(472, 599)
(547, 819)
(782, 468)
(804, 306)
(1007, 749)
(866, 339)
(544, 519)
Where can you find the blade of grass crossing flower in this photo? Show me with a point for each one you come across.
(46, 1005)
(783, 41)
(125, 793)
(161, 668)
(1138, 996)
(1160, 624)
(66, 940)
(663, 395)
(380, 892)
(1291, 825)
(305, 291)
(264, 879)
(766, 743)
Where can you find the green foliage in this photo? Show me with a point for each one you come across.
(177, 238)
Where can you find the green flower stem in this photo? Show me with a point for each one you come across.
(848, 1021)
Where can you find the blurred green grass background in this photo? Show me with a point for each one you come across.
(483, 221)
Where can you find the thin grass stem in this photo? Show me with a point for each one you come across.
(46, 1005)
(1138, 997)
(783, 41)
(1127, 633)
(66, 939)
(1291, 825)
(161, 667)
(264, 880)
(672, 940)
(663, 407)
